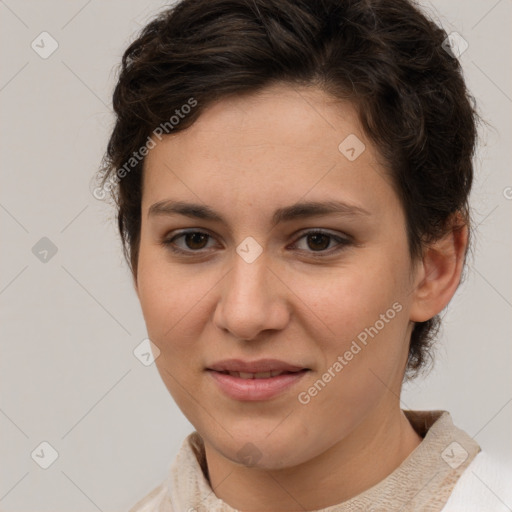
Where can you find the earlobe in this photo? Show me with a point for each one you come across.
(439, 274)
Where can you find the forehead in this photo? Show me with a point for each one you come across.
(280, 145)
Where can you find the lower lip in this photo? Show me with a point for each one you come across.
(255, 389)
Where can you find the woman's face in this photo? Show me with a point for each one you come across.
(253, 281)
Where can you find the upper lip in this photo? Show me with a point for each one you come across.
(261, 365)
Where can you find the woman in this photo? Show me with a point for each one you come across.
(292, 182)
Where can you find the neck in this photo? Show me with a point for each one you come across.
(369, 454)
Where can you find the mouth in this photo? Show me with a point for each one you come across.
(255, 381)
(260, 375)
(262, 368)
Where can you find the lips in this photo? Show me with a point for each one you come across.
(255, 380)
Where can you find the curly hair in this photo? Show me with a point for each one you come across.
(385, 56)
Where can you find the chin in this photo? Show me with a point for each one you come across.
(254, 447)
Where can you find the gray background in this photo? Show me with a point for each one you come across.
(69, 325)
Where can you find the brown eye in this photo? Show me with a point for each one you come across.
(321, 243)
(318, 241)
(196, 240)
(188, 242)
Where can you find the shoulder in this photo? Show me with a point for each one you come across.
(153, 502)
(486, 484)
(185, 481)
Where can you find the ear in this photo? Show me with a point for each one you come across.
(439, 272)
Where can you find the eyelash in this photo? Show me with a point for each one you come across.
(342, 243)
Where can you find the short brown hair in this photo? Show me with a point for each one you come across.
(385, 56)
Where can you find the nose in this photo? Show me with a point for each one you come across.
(253, 299)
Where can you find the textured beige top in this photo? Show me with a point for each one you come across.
(422, 483)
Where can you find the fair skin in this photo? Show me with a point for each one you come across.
(244, 158)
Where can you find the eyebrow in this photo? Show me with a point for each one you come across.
(298, 210)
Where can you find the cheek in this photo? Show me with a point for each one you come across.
(348, 299)
(171, 302)
(359, 313)
(361, 342)
(168, 295)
